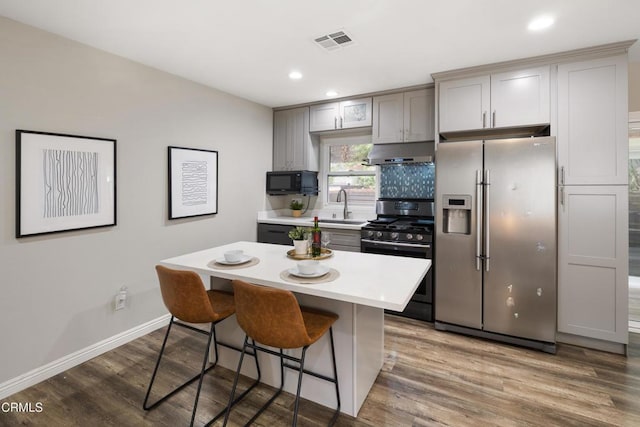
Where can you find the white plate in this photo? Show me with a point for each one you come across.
(322, 270)
(242, 260)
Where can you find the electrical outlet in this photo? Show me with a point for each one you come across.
(120, 300)
(296, 200)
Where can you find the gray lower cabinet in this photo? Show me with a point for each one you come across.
(344, 240)
(341, 240)
(274, 233)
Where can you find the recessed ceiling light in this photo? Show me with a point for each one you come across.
(295, 75)
(541, 23)
(332, 93)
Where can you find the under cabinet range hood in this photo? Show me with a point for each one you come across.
(404, 152)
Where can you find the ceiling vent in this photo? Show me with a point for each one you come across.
(334, 41)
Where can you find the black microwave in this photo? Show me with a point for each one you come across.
(292, 182)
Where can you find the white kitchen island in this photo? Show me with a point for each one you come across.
(367, 284)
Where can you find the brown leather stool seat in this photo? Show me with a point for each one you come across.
(273, 317)
(184, 295)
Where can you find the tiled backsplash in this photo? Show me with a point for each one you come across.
(409, 180)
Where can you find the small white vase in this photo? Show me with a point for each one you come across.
(301, 247)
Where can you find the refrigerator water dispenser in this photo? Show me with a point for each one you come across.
(456, 214)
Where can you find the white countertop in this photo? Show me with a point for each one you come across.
(381, 281)
(307, 221)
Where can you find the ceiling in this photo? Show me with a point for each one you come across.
(248, 47)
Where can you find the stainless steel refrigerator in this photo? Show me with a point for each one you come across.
(495, 262)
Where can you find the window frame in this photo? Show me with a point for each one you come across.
(325, 145)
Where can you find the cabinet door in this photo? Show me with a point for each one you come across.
(298, 135)
(593, 262)
(280, 134)
(355, 113)
(292, 146)
(464, 104)
(388, 122)
(274, 233)
(520, 97)
(419, 115)
(344, 240)
(593, 141)
(324, 116)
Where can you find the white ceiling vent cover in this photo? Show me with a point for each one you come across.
(334, 41)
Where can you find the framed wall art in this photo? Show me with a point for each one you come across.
(193, 182)
(64, 182)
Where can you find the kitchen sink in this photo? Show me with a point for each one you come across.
(342, 221)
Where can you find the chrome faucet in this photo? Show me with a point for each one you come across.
(345, 213)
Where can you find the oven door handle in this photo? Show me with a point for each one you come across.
(407, 245)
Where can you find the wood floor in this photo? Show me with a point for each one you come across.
(429, 378)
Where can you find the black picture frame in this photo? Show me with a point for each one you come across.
(64, 182)
(193, 182)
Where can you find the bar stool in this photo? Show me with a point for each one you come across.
(274, 318)
(184, 295)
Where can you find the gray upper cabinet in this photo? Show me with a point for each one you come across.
(347, 114)
(512, 98)
(463, 104)
(293, 148)
(324, 116)
(593, 142)
(404, 117)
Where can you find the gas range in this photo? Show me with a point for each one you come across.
(401, 220)
(404, 227)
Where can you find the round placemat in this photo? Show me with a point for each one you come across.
(218, 266)
(332, 275)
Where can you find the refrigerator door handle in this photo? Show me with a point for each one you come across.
(487, 234)
(478, 219)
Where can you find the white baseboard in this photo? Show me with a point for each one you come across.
(74, 359)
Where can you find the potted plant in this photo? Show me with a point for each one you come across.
(300, 242)
(296, 207)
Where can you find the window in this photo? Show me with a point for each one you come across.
(343, 169)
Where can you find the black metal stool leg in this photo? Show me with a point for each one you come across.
(244, 393)
(148, 406)
(235, 381)
(275, 395)
(297, 402)
(155, 371)
(203, 370)
(335, 377)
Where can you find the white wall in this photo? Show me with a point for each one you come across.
(634, 86)
(56, 291)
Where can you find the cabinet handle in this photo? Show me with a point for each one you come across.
(562, 175)
(484, 119)
(335, 123)
(494, 119)
(340, 122)
(562, 198)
